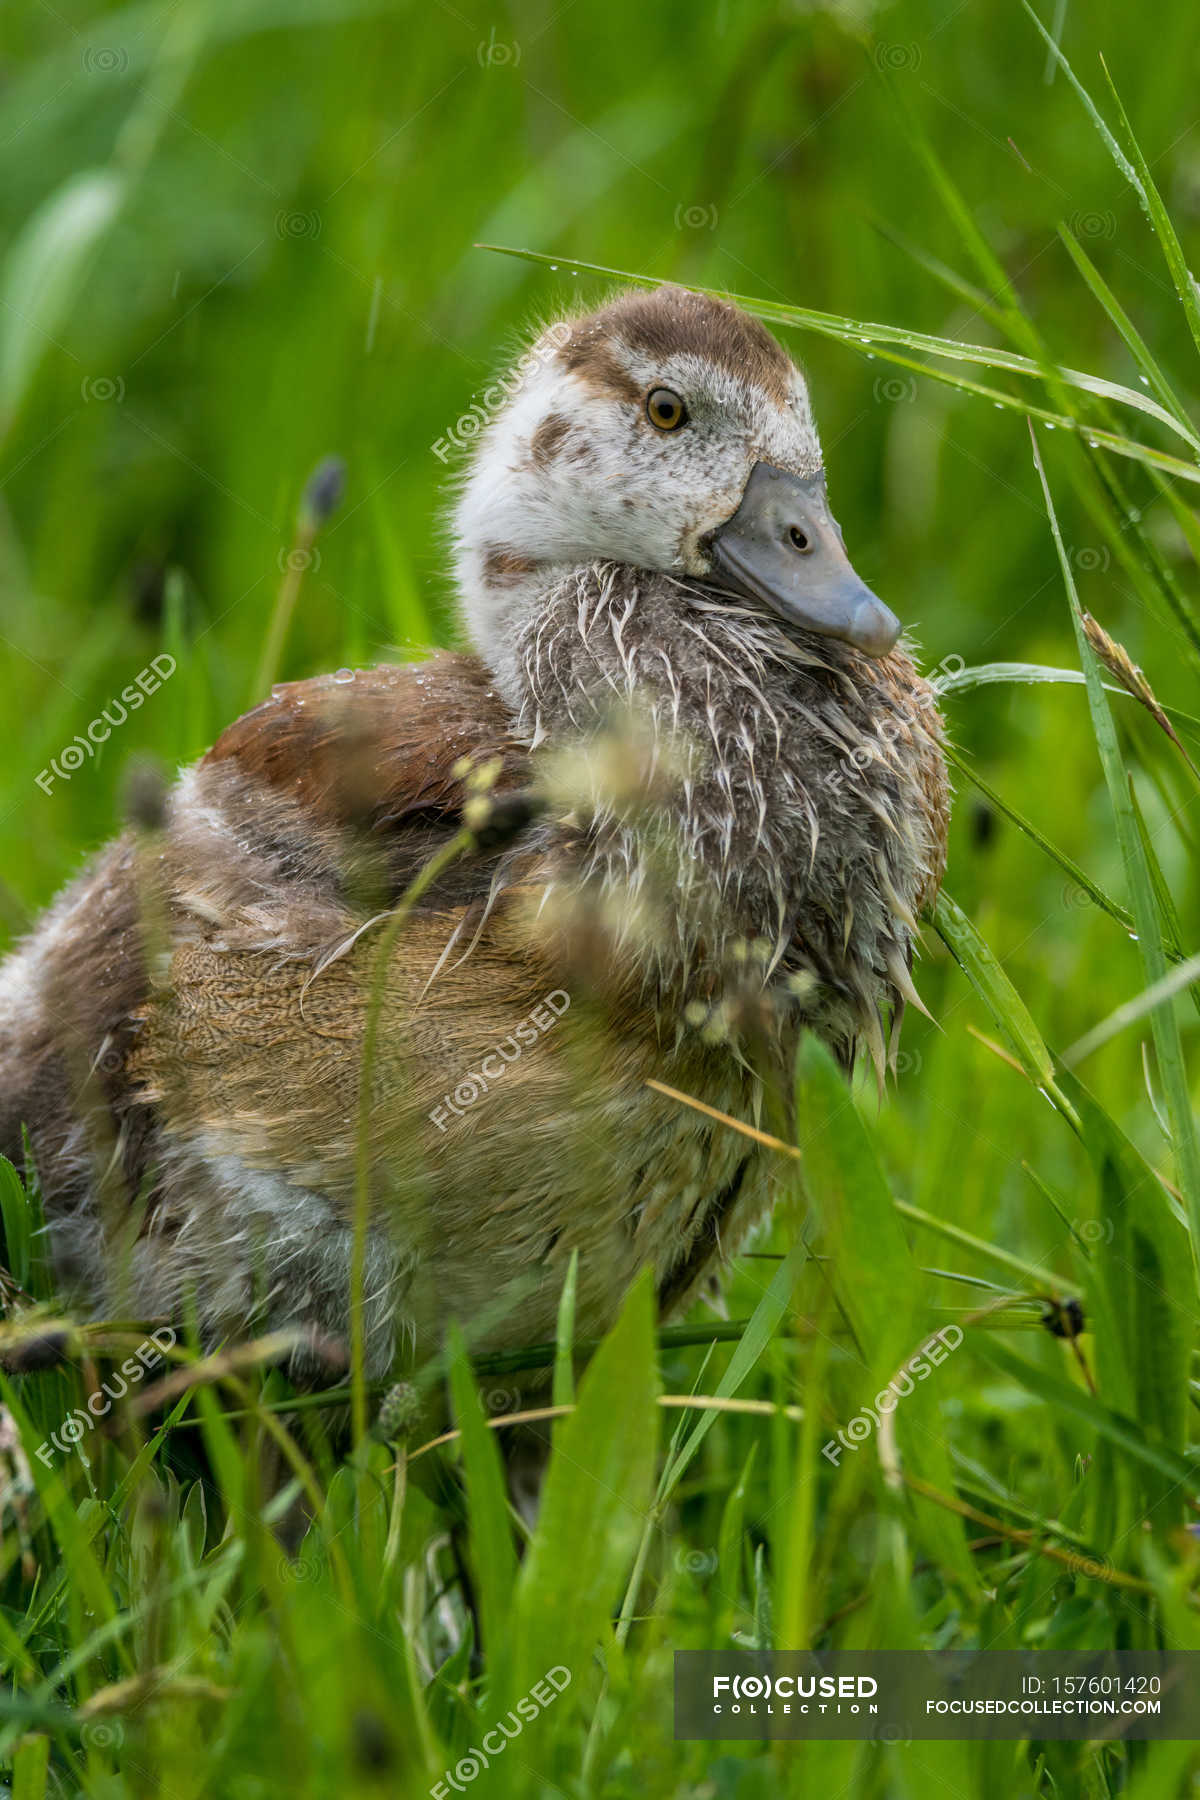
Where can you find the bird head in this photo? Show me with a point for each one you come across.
(669, 431)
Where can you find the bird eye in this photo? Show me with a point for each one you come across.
(665, 409)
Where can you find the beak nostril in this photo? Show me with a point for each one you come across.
(781, 516)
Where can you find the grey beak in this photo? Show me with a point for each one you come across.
(783, 547)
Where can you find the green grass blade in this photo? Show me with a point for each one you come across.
(1134, 342)
(941, 272)
(1141, 1297)
(1160, 218)
(1172, 938)
(563, 1390)
(960, 213)
(730, 1544)
(43, 273)
(988, 674)
(16, 1219)
(1134, 167)
(594, 1502)
(74, 1540)
(1086, 477)
(1132, 1010)
(491, 1537)
(873, 1275)
(1093, 111)
(1168, 912)
(1098, 487)
(1165, 1026)
(764, 1322)
(1075, 1402)
(1093, 890)
(31, 1765)
(1033, 1275)
(998, 994)
(863, 332)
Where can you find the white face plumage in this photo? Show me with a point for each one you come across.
(630, 438)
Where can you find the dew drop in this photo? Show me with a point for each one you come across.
(344, 675)
(1145, 380)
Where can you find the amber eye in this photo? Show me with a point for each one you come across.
(665, 409)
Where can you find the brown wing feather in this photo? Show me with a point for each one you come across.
(377, 748)
(273, 821)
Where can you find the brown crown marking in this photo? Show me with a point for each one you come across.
(670, 321)
(590, 353)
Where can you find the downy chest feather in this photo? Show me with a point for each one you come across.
(793, 802)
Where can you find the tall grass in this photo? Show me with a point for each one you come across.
(162, 1627)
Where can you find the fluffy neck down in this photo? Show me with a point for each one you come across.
(787, 804)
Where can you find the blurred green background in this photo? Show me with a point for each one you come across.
(237, 237)
(240, 237)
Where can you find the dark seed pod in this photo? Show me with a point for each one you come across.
(1064, 1318)
(323, 491)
